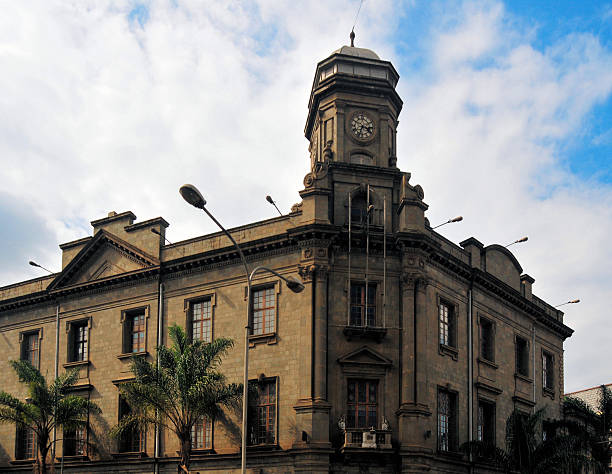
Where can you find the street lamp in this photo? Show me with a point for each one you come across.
(191, 194)
(271, 201)
(518, 241)
(450, 221)
(568, 302)
(34, 264)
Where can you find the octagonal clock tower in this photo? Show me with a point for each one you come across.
(353, 109)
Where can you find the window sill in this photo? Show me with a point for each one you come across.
(78, 363)
(548, 392)
(450, 454)
(74, 458)
(201, 452)
(522, 377)
(263, 447)
(443, 349)
(268, 338)
(132, 354)
(365, 332)
(130, 455)
(22, 462)
(490, 363)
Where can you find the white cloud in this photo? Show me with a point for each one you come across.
(101, 114)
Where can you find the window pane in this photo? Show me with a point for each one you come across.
(264, 311)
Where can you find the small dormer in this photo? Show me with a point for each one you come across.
(121, 225)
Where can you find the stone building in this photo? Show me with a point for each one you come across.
(402, 346)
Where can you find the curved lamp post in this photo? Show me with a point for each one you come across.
(191, 194)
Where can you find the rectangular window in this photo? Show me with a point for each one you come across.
(262, 419)
(447, 324)
(362, 404)
(447, 420)
(547, 370)
(75, 442)
(201, 321)
(522, 356)
(486, 422)
(487, 341)
(25, 443)
(201, 434)
(134, 331)
(30, 348)
(132, 441)
(363, 310)
(264, 311)
(78, 341)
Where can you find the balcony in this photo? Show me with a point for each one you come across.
(366, 439)
(364, 332)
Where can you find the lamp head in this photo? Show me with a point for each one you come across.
(523, 239)
(457, 219)
(294, 284)
(269, 199)
(34, 264)
(155, 231)
(191, 194)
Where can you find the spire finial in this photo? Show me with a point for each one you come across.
(352, 36)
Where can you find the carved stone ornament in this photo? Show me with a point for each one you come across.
(385, 424)
(392, 161)
(307, 272)
(327, 151)
(308, 180)
(308, 253)
(297, 207)
(419, 191)
(342, 423)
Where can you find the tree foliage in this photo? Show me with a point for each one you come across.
(47, 407)
(184, 386)
(529, 451)
(595, 425)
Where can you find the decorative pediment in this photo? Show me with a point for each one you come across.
(364, 357)
(105, 256)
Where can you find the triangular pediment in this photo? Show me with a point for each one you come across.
(105, 256)
(365, 356)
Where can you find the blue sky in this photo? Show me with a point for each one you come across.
(111, 106)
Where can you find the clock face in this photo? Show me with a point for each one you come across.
(362, 126)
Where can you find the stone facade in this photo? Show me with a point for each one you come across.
(402, 346)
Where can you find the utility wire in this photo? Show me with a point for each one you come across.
(357, 16)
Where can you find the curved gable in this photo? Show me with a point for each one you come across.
(500, 263)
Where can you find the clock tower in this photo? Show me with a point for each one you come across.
(351, 128)
(353, 109)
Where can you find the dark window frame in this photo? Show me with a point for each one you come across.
(127, 322)
(447, 422)
(521, 352)
(369, 406)
(25, 350)
(135, 438)
(263, 405)
(25, 443)
(202, 433)
(78, 350)
(75, 441)
(486, 421)
(486, 339)
(367, 315)
(548, 370)
(269, 314)
(447, 323)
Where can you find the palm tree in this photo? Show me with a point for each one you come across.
(595, 425)
(529, 451)
(47, 407)
(183, 387)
